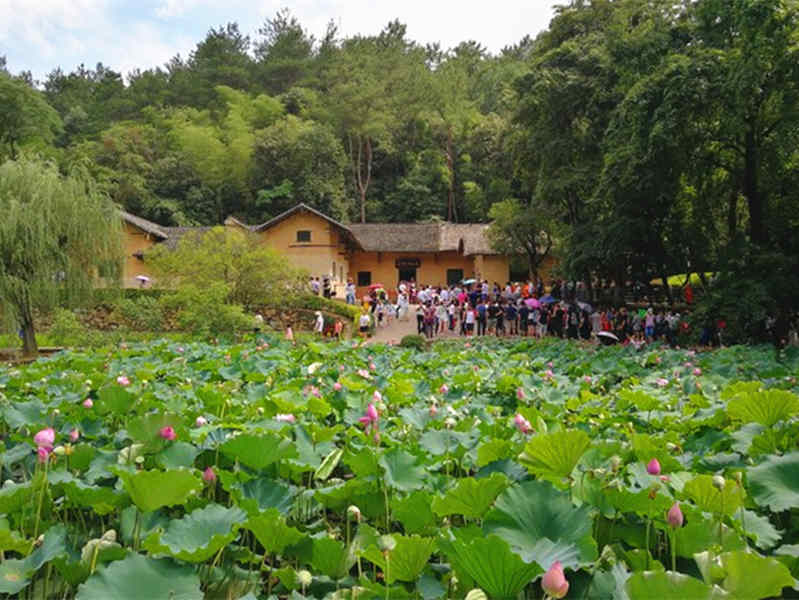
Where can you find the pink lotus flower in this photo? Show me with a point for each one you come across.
(433, 410)
(372, 366)
(550, 364)
(467, 345)
(123, 381)
(88, 403)
(697, 371)
(475, 368)
(377, 396)
(180, 349)
(167, 433)
(285, 418)
(446, 372)
(554, 581)
(337, 386)
(653, 467)
(522, 424)
(520, 393)
(674, 516)
(688, 364)
(200, 421)
(657, 360)
(289, 334)
(45, 438)
(341, 368)
(208, 475)
(444, 389)
(315, 392)
(662, 382)
(74, 435)
(364, 373)
(548, 374)
(42, 453)
(664, 478)
(588, 379)
(370, 417)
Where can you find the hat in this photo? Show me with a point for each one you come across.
(318, 314)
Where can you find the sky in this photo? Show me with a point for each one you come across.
(39, 35)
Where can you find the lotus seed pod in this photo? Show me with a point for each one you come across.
(718, 482)
(304, 578)
(386, 543)
(354, 512)
(59, 451)
(476, 594)
(671, 447)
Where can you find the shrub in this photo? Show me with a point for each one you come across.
(143, 313)
(414, 341)
(203, 310)
(67, 330)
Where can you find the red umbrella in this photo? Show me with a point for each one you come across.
(374, 286)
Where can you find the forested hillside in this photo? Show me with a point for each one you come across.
(645, 138)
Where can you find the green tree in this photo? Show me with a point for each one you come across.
(251, 273)
(516, 227)
(57, 233)
(25, 116)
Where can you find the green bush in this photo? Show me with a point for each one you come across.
(203, 311)
(142, 313)
(313, 302)
(414, 341)
(67, 330)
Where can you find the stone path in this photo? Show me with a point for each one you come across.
(399, 329)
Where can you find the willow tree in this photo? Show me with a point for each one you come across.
(57, 234)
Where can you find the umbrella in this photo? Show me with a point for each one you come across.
(468, 281)
(143, 278)
(548, 299)
(374, 286)
(607, 338)
(586, 307)
(532, 303)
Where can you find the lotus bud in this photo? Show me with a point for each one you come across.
(200, 421)
(554, 581)
(718, 482)
(209, 476)
(653, 467)
(42, 453)
(88, 403)
(304, 578)
(59, 450)
(74, 435)
(337, 386)
(476, 594)
(56, 412)
(386, 543)
(444, 389)
(354, 513)
(450, 422)
(260, 410)
(167, 433)
(674, 516)
(139, 460)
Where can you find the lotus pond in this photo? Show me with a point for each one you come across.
(332, 471)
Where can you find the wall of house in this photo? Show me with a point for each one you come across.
(136, 241)
(432, 269)
(325, 252)
(492, 267)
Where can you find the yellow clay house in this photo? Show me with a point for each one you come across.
(428, 253)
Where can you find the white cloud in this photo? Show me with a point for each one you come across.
(125, 34)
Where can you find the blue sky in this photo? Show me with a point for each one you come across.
(39, 35)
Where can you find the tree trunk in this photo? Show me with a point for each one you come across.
(452, 214)
(732, 215)
(754, 201)
(29, 346)
(666, 286)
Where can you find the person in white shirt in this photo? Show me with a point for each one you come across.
(319, 324)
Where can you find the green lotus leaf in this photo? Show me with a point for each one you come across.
(775, 482)
(495, 449)
(330, 557)
(726, 501)
(272, 532)
(151, 490)
(489, 561)
(14, 576)
(147, 429)
(12, 541)
(114, 399)
(766, 407)
(542, 525)
(748, 575)
(470, 497)
(199, 535)
(259, 451)
(137, 577)
(760, 528)
(554, 455)
(414, 511)
(401, 470)
(261, 494)
(656, 585)
(102, 500)
(329, 463)
(407, 560)
(14, 496)
(178, 455)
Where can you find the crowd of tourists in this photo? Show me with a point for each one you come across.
(516, 309)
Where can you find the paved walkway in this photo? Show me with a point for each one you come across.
(398, 329)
